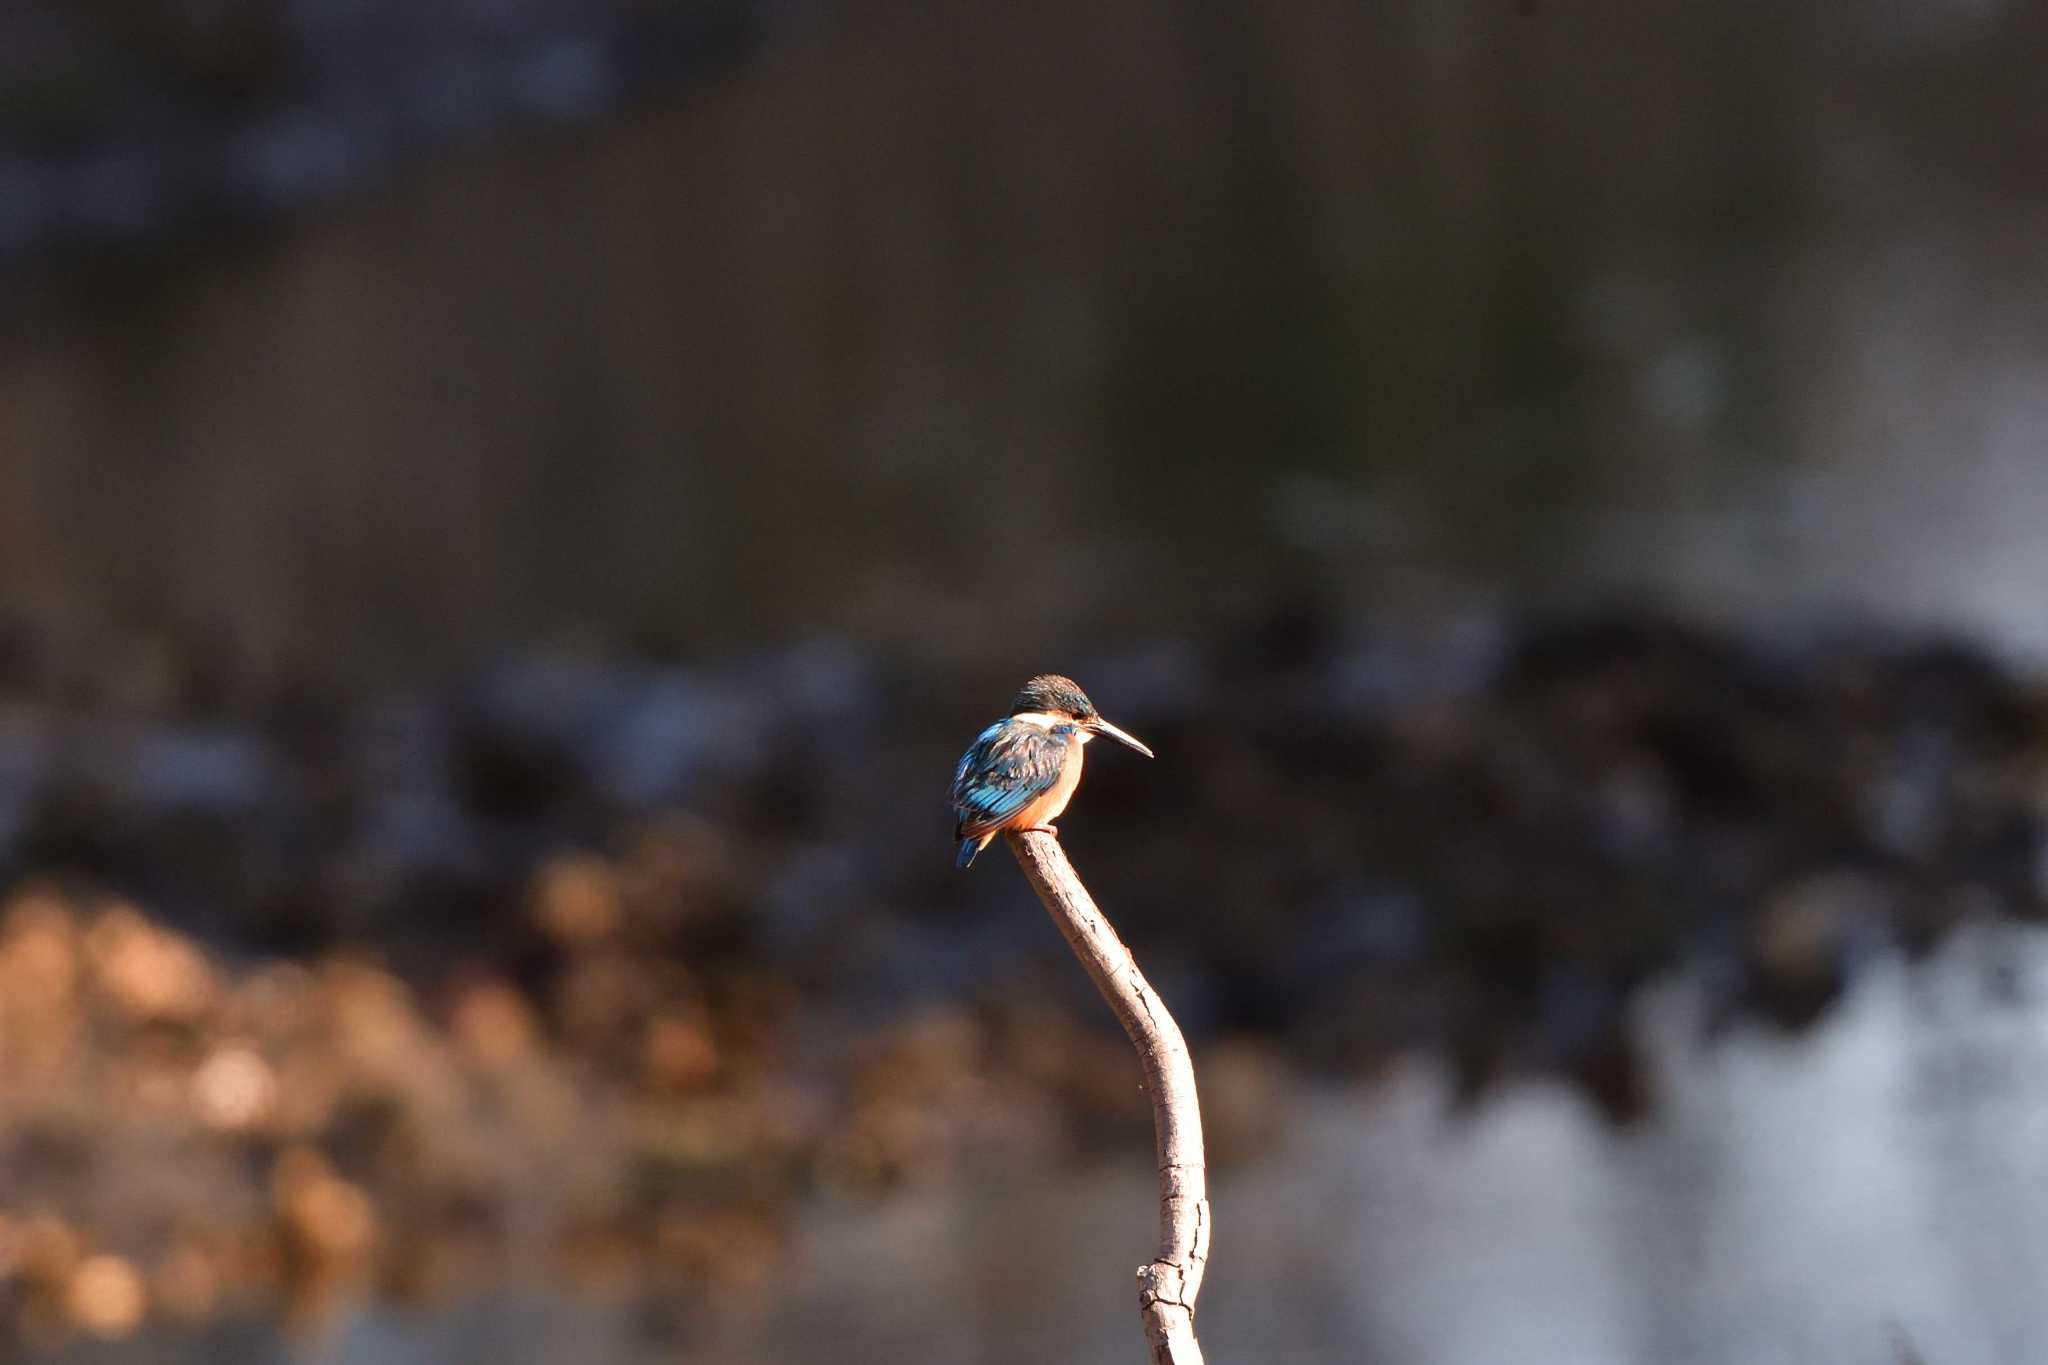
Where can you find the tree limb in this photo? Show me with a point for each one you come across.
(1168, 1286)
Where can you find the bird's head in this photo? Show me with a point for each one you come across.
(1055, 700)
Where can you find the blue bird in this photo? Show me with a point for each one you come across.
(1020, 772)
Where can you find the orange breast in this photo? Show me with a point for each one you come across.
(1047, 808)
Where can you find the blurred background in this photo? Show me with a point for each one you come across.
(510, 510)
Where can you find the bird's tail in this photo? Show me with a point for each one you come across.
(964, 859)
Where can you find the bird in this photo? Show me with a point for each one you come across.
(1020, 773)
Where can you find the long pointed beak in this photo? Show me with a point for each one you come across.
(1103, 727)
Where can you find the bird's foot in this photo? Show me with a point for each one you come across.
(1053, 830)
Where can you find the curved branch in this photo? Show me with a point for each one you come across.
(1168, 1286)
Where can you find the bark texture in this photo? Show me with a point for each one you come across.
(1170, 1282)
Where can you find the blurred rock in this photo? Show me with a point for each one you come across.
(147, 972)
(578, 901)
(106, 1297)
(495, 1025)
(325, 1226)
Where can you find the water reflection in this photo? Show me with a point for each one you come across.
(1870, 1188)
(1874, 1182)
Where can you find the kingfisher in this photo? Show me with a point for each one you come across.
(1020, 773)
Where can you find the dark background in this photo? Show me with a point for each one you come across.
(509, 511)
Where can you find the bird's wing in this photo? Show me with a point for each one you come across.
(1007, 767)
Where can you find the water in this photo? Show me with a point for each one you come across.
(1872, 1188)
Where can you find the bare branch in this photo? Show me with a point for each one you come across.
(1168, 1286)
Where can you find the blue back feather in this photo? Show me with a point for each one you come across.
(1008, 766)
